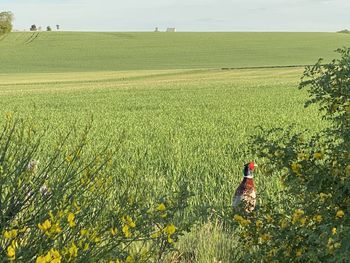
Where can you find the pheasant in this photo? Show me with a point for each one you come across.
(245, 192)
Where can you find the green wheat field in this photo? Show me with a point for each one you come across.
(184, 104)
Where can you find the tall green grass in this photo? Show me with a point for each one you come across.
(176, 125)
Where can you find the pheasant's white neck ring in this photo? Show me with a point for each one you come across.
(249, 176)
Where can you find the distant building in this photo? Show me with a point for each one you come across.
(171, 29)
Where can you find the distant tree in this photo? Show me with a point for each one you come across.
(6, 19)
(48, 28)
(345, 31)
(33, 28)
(58, 27)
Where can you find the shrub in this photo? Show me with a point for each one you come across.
(33, 28)
(58, 203)
(311, 223)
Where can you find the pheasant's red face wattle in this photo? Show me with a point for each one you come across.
(251, 166)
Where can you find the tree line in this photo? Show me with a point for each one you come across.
(6, 23)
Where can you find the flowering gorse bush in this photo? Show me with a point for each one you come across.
(58, 205)
(311, 222)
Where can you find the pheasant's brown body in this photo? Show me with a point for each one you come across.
(246, 193)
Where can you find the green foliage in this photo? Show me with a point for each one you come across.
(210, 242)
(311, 223)
(33, 28)
(6, 19)
(64, 205)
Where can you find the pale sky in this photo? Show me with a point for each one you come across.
(185, 15)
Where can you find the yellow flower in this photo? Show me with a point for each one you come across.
(297, 215)
(317, 218)
(84, 232)
(70, 219)
(269, 219)
(129, 259)
(11, 253)
(54, 253)
(334, 230)
(170, 229)
(259, 224)
(73, 251)
(318, 155)
(330, 245)
(170, 240)
(45, 226)
(323, 197)
(126, 231)
(161, 207)
(56, 228)
(86, 247)
(128, 220)
(23, 230)
(340, 214)
(69, 158)
(52, 256)
(114, 231)
(41, 259)
(302, 221)
(48, 257)
(265, 237)
(296, 167)
(10, 234)
(238, 218)
(299, 252)
(303, 156)
(245, 223)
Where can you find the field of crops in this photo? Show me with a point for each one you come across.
(188, 123)
(78, 52)
(173, 114)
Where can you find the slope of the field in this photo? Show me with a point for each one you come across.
(76, 51)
